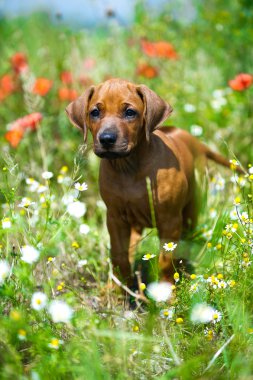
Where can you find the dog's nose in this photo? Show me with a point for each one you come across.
(108, 138)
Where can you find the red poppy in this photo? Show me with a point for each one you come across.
(161, 49)
(241, 82)
(14, 137)
(19, 127)
(42, 86)
(66, 77)
(147, 71)
(7, 86)
(19, 62)
(67, 94)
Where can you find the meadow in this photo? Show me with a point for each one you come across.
(60, 315)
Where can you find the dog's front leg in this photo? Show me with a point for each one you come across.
(119, 231)
(169, 232)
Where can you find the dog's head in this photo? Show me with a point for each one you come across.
(119, 114)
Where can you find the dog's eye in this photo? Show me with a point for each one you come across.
(95, 113)
(130, 113)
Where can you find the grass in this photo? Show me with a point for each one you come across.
(104, 339)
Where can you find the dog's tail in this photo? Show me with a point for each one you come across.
(216, 157)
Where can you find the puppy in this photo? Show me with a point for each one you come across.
(125, 122)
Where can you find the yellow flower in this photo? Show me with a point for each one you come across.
(136, 328)
(176, 276)
(142, 286)
(179, 321)
(209, 245)
(237, 201)
(231, 283)
(15, 315)
(233, 164)
(173, 287)
(21, 332)
(218, 246)
(75, 245)
(220, 276)
(64, 169)
(193, 276)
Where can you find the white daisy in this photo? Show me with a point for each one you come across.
(47, 175)
(84, 229)
(202, 313)
(81, 187)
(38, 301)
(6, 223)
(170, 246)
(60, 311)
(29, 254)
(159, 291)
(4, 270)
(76, 209)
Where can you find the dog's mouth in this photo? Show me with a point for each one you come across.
(113, 152)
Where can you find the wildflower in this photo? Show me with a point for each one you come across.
(193, 276)
(231, 283)
(147, 71)
(21, 334)
(50, 259)
(15, 315)
(167, 313)
(19, 63)
(170, 246)
(84, 229)
(47, 175)
(29, 254)
(55, 343)
(81, 187)
(233, 164)
(66, 77)
(26, 202)
(190, 108)
(237, 201)
(64, 169)
(18, 128)
(233, 214)
(209, 333)
(148, 256)
(7, 86)
(142, 286)
(222, 285)
(14, 137)
(213, 281)
(136, 328)
(60, 311)
(82, 263)
(39, 301)
(218, 183)
(212, 213)
(209, 245)
(231, 227)
(159, 291)
(194, 288)
(196, 130)
(218, 103)
(241, 82)
(216, 317)
(161, 49)
(176, 277)
(75, 245)
(202, 313)
(4, 270)
(76, 209)
(42, 86)
(67, 94)
(179, 321)
(6, 223)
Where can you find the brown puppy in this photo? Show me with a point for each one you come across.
(124, 120)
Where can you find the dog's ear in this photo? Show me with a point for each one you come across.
(77, 110)
(156, 110)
